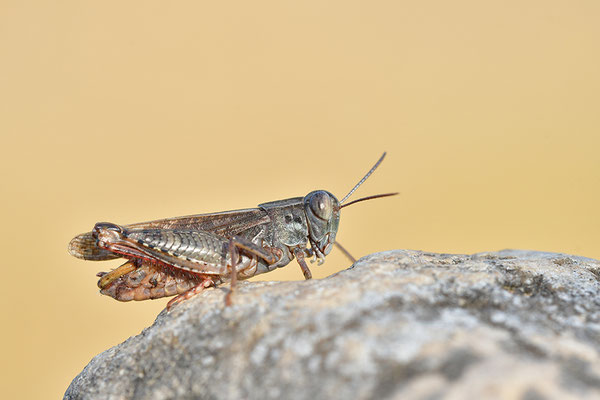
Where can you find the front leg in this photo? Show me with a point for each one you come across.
(299, 254)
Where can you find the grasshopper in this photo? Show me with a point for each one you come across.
(184, 255)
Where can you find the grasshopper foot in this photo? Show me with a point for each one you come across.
(228, 298)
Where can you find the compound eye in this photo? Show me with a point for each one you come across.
(322, 206)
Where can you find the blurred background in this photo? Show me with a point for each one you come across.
(126, 112)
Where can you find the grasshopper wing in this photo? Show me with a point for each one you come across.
(226, 224)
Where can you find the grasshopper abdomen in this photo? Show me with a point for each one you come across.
(184, 245)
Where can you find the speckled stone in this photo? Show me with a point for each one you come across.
(397, 325)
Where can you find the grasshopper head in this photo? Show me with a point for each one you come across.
(323, 215)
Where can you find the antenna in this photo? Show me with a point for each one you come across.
(364, 178)
(375, 196)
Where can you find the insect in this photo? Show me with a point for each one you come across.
(184, 255)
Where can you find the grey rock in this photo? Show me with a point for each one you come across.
(397, 325)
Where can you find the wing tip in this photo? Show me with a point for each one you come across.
(84, 247)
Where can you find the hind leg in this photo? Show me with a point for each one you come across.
(233, 255)
(236, 245)
(107, 278)
(207, 282)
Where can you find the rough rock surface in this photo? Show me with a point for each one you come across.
(397, 325)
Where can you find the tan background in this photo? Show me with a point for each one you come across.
(125, 112)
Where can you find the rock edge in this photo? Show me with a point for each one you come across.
(399, 324)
